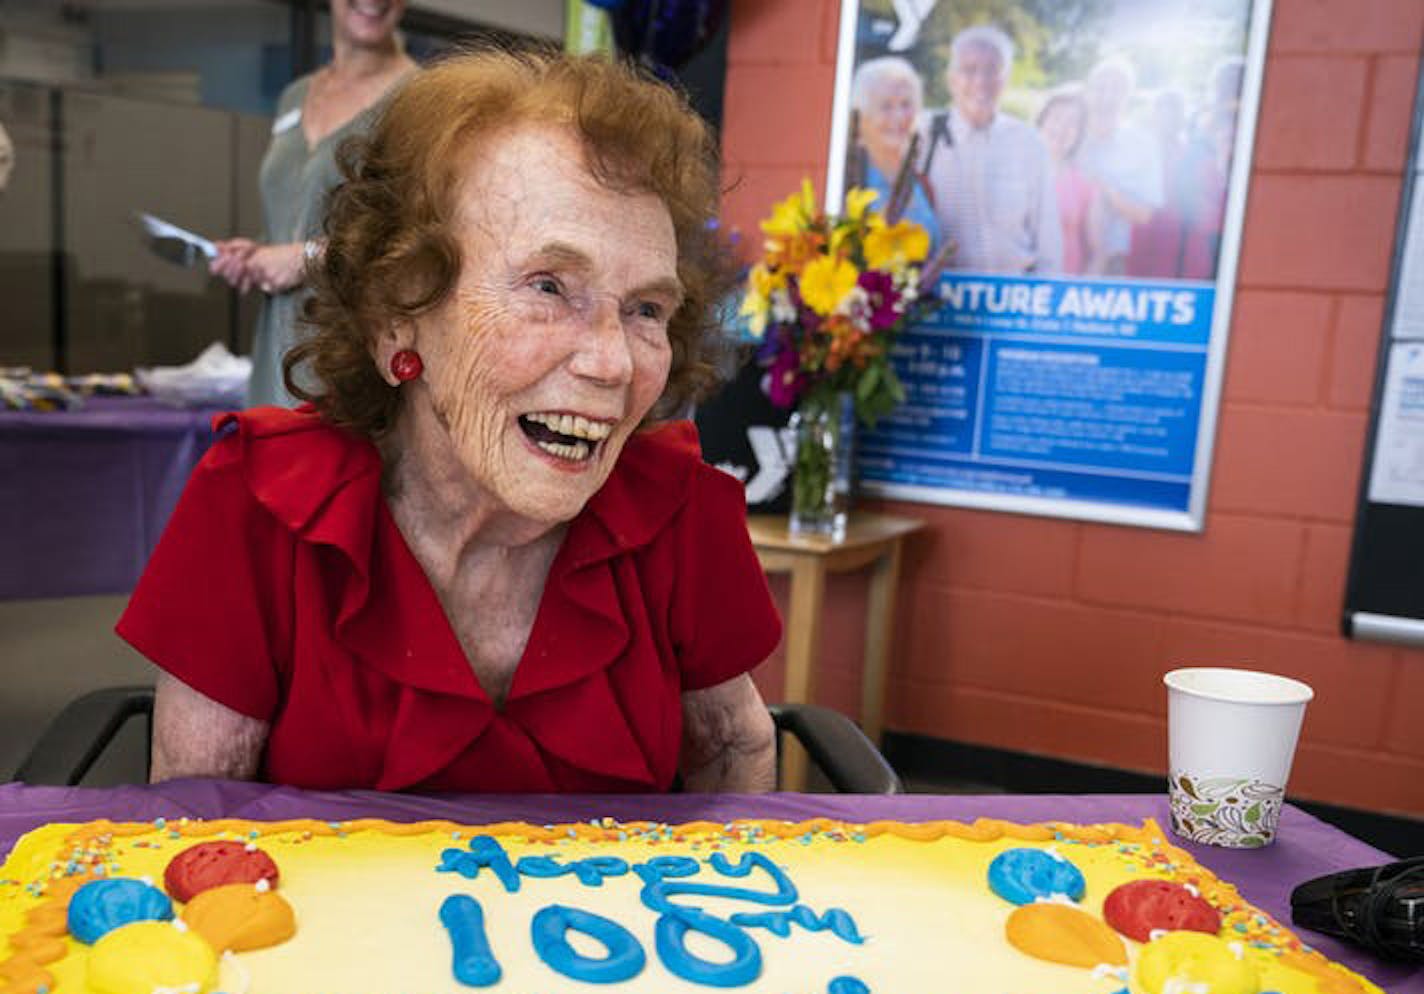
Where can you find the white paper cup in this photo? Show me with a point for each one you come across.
(1232, 736)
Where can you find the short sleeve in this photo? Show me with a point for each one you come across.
(213, 605)
(725, 622)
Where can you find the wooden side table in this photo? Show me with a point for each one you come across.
(872, 540)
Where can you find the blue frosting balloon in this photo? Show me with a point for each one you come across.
(101, 906)
(1022, 876)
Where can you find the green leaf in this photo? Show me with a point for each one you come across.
(869, 382)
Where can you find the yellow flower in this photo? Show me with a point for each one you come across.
(896, 245)
(755, 308)
(825, 283)
(791, 252)
(793, 215)
(808, 197)
(857, 199)
(763, 279)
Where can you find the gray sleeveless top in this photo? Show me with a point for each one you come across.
(294, 182)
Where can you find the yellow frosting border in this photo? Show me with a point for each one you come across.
(42, 939)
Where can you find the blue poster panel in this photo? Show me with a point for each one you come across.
(1086, 162)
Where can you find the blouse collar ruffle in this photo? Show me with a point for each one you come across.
(324, 485)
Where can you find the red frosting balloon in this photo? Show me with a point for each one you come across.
(212, 864)
(1139, 908)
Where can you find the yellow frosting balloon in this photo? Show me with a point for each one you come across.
(241, 917)
(144, 956)
(1061, 933)
(1192, 961)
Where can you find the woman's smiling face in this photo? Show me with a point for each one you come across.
(553, 345)
(366, 22)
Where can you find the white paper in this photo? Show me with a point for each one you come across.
(217, 378)
(1397, 475)
(159, 228)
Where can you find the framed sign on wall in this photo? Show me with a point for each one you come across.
(1088, 162)
(1384, 591)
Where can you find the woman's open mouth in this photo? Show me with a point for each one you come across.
(571, 437)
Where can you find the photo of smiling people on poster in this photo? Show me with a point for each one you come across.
(1085, 161)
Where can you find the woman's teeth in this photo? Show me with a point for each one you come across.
(573, 425)
(565, 436)
(577, 452)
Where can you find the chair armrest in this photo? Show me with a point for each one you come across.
(837, 745)
(76, 737)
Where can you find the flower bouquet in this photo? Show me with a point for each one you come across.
(826, 301)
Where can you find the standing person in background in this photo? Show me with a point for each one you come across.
(1207, 171)
(988, 173)
(887, 96)
(314, 114)
(1121, 160)
(1157, 246)
(1060, 121)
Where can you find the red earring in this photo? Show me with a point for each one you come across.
(406, 365)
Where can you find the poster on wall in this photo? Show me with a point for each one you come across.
(1087, 161)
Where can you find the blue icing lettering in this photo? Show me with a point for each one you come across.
(779, 923)
(847, 985)
(484, 852)
(662, 867)
(549, 932)
(542, 867)
(101, 906)
(671, 937)
(656, 891)
(590, 871)
(1024, 875)
(473, 963)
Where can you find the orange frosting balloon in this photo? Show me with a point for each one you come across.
(1063, 934)
(240, 917)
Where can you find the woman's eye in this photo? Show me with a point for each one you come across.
(549, 285)
(649, 311)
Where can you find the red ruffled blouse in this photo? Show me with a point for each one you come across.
(283, 589)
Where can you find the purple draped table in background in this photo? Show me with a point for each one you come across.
(1306, 847)
(87, 492)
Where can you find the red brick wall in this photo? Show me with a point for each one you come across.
(1051, 637)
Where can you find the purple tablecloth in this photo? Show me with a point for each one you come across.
(1306, 847)
(87, 492)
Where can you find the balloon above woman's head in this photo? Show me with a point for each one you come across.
(664, 33)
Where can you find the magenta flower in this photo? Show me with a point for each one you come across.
(784, 381)
(884, 302)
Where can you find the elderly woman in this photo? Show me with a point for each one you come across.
(1060, 122)
(887, 96)
(477, 561)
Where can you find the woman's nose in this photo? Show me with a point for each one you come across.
(602, 351)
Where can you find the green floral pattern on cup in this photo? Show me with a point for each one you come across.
(1225, 811)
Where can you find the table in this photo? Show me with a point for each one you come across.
(87, 492)
(1306, 847)
(872, 540)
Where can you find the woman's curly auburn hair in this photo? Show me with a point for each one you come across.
(391, 253)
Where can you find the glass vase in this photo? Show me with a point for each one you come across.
(823, 475)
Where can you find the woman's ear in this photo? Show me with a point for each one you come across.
(397, 336)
